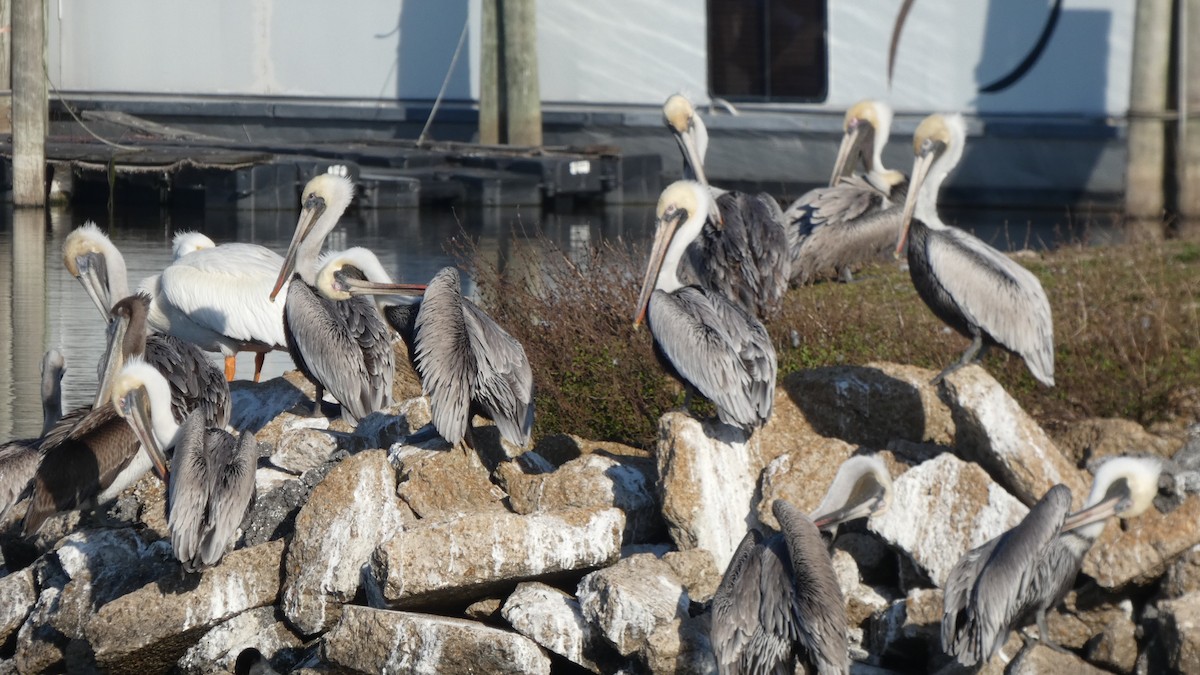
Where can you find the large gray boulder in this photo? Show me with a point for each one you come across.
(631, 599)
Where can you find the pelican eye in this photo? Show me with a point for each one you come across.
(339, 282)
(930, 145)
(314, 201)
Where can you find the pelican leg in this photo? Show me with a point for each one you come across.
(230, 367)
(320, 396)
(973, 354)
(845, 275)
(259, 357)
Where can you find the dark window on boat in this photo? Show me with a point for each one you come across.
(767, 50)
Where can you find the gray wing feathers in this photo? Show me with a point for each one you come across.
(745, 258)
(819, 613)
(187, 494)
(444, 355)
(195, 382)
(504, 387)
(732, 620)
(834, 227)
(720, 349)
(998, 294)
(230, 494)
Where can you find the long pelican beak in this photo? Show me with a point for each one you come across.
(851, 141)
(114, 358)
(361, 287)
(662, 240)
(93, 275)
(134, 406)
(865, 507)
(691, 153)
(1113, 506)
(921, 166)
(309, 216)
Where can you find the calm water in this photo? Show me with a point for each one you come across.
(42, 306)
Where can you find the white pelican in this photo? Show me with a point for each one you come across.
(856, 218)
(974, 288)
(342, 346)
(742, 252)
(211, 480)
(1016, 577)
(706, 340)
(468, 364)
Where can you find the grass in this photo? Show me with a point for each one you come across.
(1126, 328)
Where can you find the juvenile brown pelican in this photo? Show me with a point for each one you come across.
(974, 288)
(468, 364)
(1003, 584)
(342, 346)
(741, 252)
(703, 338)
(211, 480)
(856, 218)
(779, 602)
(19, 458)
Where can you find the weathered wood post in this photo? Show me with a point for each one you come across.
(1147, 103)
(490, 61)
(29, 102)
(1189, 111)
(523, 102)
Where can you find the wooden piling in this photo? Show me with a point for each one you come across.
(489, 75)
(1147, 106)
(523, 103)
(1189, 111)
(29, 102)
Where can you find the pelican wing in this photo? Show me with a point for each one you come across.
(957, 594)
(504, 385)
(735, 611)
(227, 290)
(231, 490)
(718, 348)
(998, 294)
(196, 384)
(744, 257)
(18, 464)
(817, 621)
(187, 494)
(445, 354)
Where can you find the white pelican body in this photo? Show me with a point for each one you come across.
(857, 217)
(711, 343)
(343, 346)
(975, 289)
(1000, 586)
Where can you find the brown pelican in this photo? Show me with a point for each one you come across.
(216, 298)
(1003, 584)
(468, 364)
(342, 346)
(779, 601)
(211, 480)
(856, 218)
(974, 288)
(703, 338)
(742, 250)
(19, 458)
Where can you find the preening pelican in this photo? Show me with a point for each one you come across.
(779, 601)
(742, 250)
(856, 218)
(1003, 584)
(468, 364)
(974, 288)
(19, 458)
(706, 340)
(342, 346)
(211, 480)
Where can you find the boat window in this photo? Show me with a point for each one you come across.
(767, 50)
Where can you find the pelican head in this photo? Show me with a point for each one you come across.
(189, 242)
(357, 271)
(682, 209)
(322, 203)
(141, 395)
(867, 126)
(690, 132)
(938, 145)
(123, 342)
(861, 488)
(88, 255)
(1124, 487)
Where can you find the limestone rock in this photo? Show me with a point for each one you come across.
(445, 483)
(219, 649)
(149, 629)
(875, 560)
(554, 620)
(591, 480)
(1141, 551)
(994, 431)
(680, 646)
(1088, 440)
(706, 480)
(908, 632)
(1178, 636)
(697, 572)
(351, 510)
(862, 601)
(1104, 630)
(301, 448)
(1183, 576)
(1040, 659)
(943, 508)
(18, 592)
(558, 449)
(468, 557)
(255, 404)
(801, 476)
(383, 428)
(871, 405)
(486, 610)
(377, 641)
(631, 599)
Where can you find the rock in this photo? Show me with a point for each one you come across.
(1178, 637)
(1040, 659)
(218, 650)
(1085, 441)
(943, 508)
(801, 476)
(554, 620)
(377, 641)
(471, 556)
(149, 629)
(384, 428)
(873, 404)
(697, 572)
(558, 449)
(680, 646)
(631, 599)
(145, 503)
(706, 480)
(1105, 631)
(908, 633)
(1183, 576)
(876, 562)
(862, 601)
(301, 448)
(487, 609)
(445, 483)
(994, 431)
(351, 510)
(1140, 551)
(18, 592)
(595, 481)
(255, 404)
